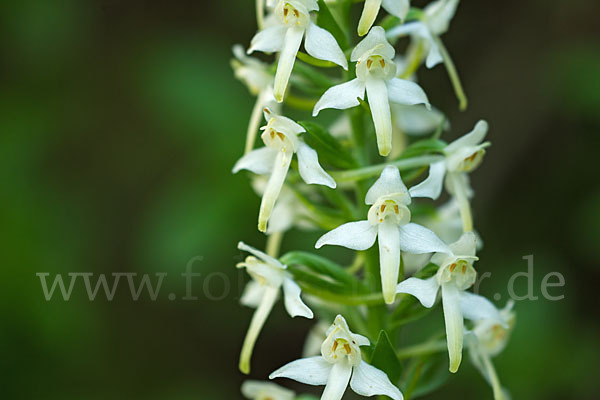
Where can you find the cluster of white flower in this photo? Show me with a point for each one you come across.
(439, 251)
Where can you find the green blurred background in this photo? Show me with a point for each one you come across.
(120, 122)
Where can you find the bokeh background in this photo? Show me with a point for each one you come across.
(120, 122)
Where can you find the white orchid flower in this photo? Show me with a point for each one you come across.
(461, 157)
(340, 363)
(455, 275)
(398, 8)
(255, 75)
(258, 390)
(389, 222)
(292, 22)
(281, 142)
(376, 73)
(487, 339)
(433, 23)
(268, 277)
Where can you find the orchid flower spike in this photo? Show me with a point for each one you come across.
(398, 8)
(461, 157)
(486, 340)
(376, 73)
(255, 75)
(281, 142)
(268, 276)
(258, 390)
(455, 275)
(389, 222)
(285, 34)
(340, 362)
(433, 23)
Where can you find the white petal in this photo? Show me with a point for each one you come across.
(476, 308)
(360, 339)
(280, 168)
(454, 324)
(283, 216)
(434, 55)
(368, 16)
(417, 120)
(259, 161)
(398, 8)
(256, 324)
(417, 239)
(312, 371)
(253, 294)
(310, 169)
(432, 186)
(375, 39)
(321, 44)
(388, 183)
(341, 96)
(265, 257)
(411, 28)
(293, 303)
(377, 93)
(402, 91)
(287, 57)
(466, 245)
(254, 389)
(269, 40)
(472, 138)
(439, 14)
(370, 381)
(388, 237)
(337, 382)
(425, 290)
(358, 235)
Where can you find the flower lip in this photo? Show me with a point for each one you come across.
(388, 207)
(458, 270)
(375, 66)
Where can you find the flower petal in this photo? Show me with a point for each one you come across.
(280, 169)
(358, 235)
(287, 57)
(337, 381)
(417, 239)
(416, 28)
(252, 294)
(321, 44)
(254, 389)
(360, 339)
(454, 324)
(374, 40)
(472, 138)
(370, 381)
(312, 371)
(259, 161)
(269, 40)
(388, 237)
(402, 91)
(263, 256)
(425, 290)
(465, 246)
(439, 14)
(377, 93)
(432, 185)
(398, 8)
(476, 308)
(293, 303)
(388, 183)
(368, 16)
(341, 96)
(310, 169)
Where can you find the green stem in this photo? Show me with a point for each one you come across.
(453, 74)
(421, 349)
(353, 300)
(373, 170)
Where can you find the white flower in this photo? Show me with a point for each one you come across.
(254, 73)
(258, 390)
(281, 142)
(389, 221)
(417, 120)
(398, 8)
(292, 21)
(376, 73)
(268, 277)
(340, 362)
(455, 275)
(487, 339)
(461, 156)
(434, 22)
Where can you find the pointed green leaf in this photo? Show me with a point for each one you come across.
(384, 357)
